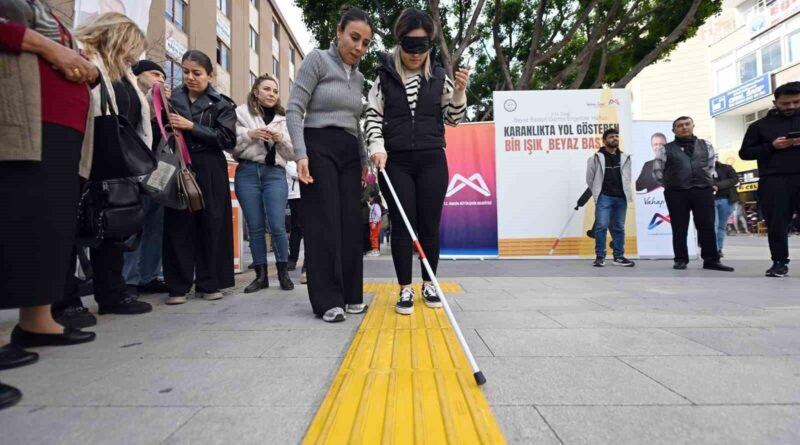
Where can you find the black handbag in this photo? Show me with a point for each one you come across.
(109, 210)
(162, 183)
(172, 184)
(118, 151)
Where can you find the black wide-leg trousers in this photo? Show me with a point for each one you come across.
(331, 215)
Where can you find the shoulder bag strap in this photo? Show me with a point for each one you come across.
(160, 103)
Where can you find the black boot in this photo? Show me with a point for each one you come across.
(261, 281)
(283, 276)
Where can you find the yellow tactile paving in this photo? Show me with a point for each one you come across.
(404, 380)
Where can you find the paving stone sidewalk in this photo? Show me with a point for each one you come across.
(573, 355)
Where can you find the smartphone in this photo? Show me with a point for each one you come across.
(793, 135)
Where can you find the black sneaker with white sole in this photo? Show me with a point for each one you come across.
(430, 295)
(405, 303)
(599, 262)
(622, 261)
(779, 269)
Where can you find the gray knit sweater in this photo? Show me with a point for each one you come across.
(324, 96)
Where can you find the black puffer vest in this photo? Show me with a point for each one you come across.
(402, 131)
(682, 172)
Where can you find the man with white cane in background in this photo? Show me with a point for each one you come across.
(608, 175)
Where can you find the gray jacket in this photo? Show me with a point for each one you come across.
(596, 169)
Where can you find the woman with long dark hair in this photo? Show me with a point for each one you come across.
(262, 149)
(323, 113)
(409, 104)
(198, 246)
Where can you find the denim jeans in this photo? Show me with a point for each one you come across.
(143, 265)
(724, 209)
(609, 214)
(263, 193)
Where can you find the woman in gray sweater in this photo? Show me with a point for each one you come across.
(323, 119)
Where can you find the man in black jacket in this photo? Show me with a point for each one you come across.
(725, 195)
(685, 167)
(775, 143)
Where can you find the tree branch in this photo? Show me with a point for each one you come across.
(671, 38)
(601, 70)
(535, 59)
(498, 48)
(527, 72)
(585, 56)
(470, 36)
(447, 56)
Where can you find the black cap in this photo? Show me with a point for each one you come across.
(147, 65)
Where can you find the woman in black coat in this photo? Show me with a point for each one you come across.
(198, 246)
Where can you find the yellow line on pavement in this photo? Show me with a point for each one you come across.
(404, 380)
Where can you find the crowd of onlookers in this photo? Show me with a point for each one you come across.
(111, 179)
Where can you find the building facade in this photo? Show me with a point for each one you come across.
(761, 53)
(724, 76)
(245, 38)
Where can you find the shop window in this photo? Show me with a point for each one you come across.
(223, 6)
(253, 39)
(752, 117)
(174, 73)
(794, 47)
(726, 79)
(175, 12)
(223, 55)
(771, 57)
(748, 68)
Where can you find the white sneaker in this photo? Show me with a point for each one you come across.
(334, 315)
(175, 299)
(430, 295)
(210, 296)
(373, 253)
(355, 308)
(405, 303)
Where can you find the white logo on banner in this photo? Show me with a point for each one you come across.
(474, 182)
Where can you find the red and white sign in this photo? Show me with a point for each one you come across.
(773, 15)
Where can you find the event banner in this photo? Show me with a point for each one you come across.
(653, 228)
(543, 140)
(136, 10)
(469, 217)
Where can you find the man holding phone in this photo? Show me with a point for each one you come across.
(774, 141)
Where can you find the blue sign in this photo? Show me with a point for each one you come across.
(743, 94)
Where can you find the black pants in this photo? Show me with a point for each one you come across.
(700, 202)
(198, 246)
(38, 220)
(420, 180)
(332, 219)
(296, 229)
(107, 261)
(779, 197)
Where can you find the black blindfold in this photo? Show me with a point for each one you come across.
(415, 45)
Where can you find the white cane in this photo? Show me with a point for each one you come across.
(479, 378)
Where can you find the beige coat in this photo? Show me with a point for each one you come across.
(21, 112)
(254, 150)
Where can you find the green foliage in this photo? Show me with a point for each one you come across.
(626, 31)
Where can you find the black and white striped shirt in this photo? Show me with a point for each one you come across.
(454, 108)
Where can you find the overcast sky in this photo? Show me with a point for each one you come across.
(294, 16)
